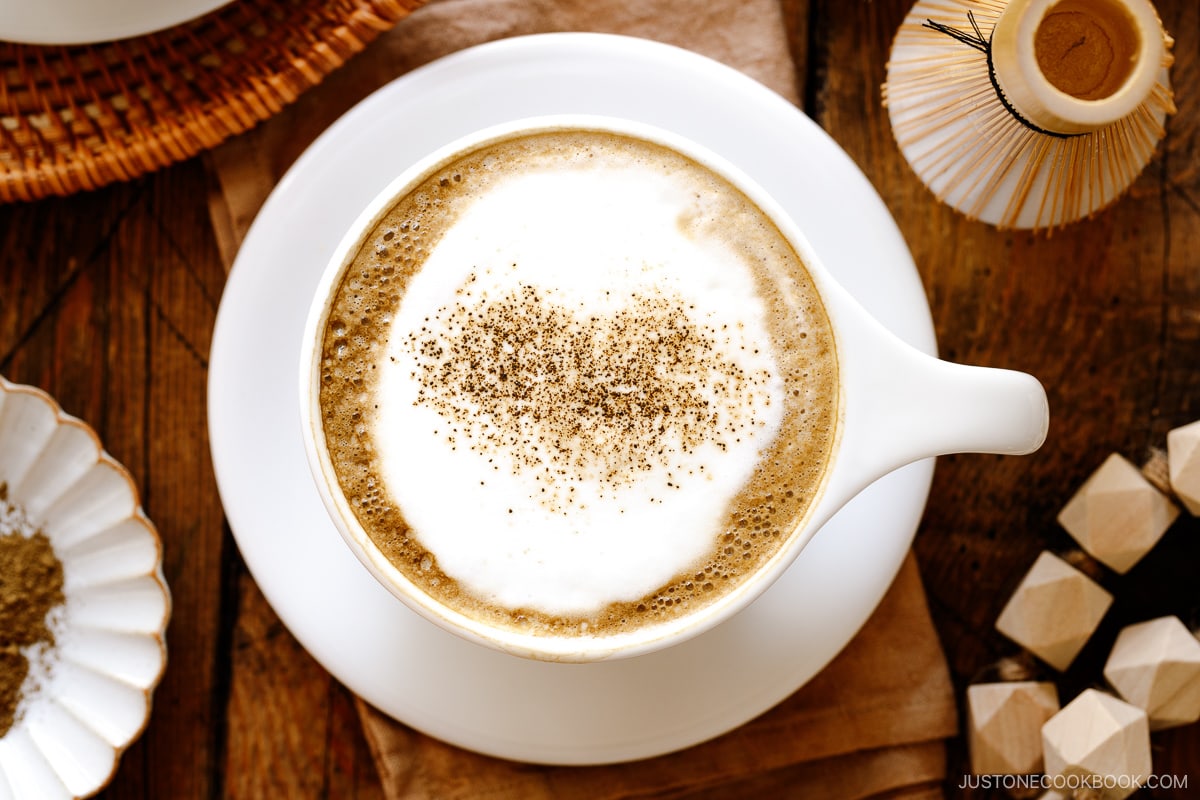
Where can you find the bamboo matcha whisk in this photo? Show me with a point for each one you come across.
(1029, 113)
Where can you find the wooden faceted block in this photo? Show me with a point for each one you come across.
(1118, 515)
(1005, 726)
(1155, 666)
(1054, 611)
(1098, 737)
(1183, 465)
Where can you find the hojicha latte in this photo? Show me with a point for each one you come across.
(573, 381)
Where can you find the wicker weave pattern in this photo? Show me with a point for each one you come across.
(80, 117)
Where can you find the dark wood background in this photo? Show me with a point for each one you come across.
(107, 300)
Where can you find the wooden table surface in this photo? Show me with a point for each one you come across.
(107, 300)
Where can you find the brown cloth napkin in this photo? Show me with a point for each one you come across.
(867, 726)
(872, 724)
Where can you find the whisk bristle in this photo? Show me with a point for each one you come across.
(977, 154)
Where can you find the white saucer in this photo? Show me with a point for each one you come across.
(90, 21)
(460, 692)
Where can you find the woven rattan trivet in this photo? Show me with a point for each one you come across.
(79, 117)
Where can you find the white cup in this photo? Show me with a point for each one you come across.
(897, 405)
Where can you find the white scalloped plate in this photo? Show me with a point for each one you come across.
(88, 698)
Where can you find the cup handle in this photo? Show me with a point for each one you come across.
(902, 405)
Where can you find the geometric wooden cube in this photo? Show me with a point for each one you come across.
(1005, 726)
(1054, 611)
(1183, 464)
(1155, 666)
(1101, 742)
(1118, 515)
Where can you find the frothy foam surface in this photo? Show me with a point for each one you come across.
(597, 435)
(576, 379)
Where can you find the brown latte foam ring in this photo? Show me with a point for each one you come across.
(576, 399)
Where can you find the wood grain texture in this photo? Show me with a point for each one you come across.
(107, 300)
(292, 730)
(1106, 313)
(114, 296)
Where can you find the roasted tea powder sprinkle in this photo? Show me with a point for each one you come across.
(576, 396)
(31, 587)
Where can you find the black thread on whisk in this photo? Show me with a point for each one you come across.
(984, 45)
(978, 41)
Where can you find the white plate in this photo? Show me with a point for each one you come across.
(460, 692)
(87, 697)
(90, 21)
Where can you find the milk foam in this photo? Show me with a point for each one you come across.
(566, 509)
(588, 390)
